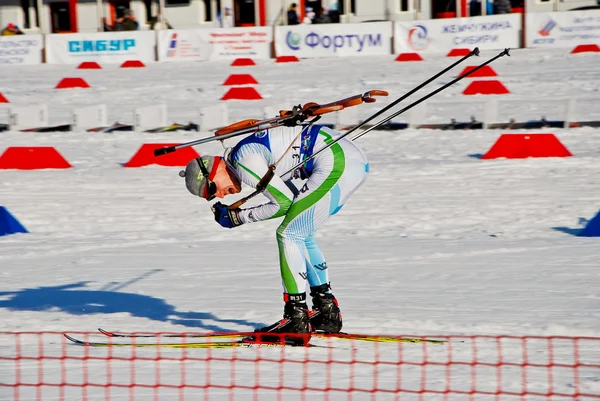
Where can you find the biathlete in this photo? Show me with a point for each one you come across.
(329, 179)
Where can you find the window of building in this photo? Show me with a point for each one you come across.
(403, 6)
(342, 4)
(177, 2)
(60, 17)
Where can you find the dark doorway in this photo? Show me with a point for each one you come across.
(243, 13)
(60, 17)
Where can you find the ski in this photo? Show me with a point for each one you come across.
(211, 344)
(322, 335)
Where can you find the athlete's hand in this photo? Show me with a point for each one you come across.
(225, 217)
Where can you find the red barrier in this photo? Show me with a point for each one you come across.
(586, 49)
(89, 65)
(520, 146)
(68, 83)
(241, 62)
(486, 71)
(145, 156)
(3, 99)
(240, 79)
(409, 57)
(132, 64)
(491, 87)
(44, 366)
(242, 93)
(287, 59)
(32, 158)
(460, 52)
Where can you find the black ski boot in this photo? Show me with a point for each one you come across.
(295, 321)
(325, 314)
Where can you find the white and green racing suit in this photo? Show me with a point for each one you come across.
(328, 181)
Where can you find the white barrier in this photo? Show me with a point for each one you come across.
(89, 117)
(215, 44)
(25, 117)
(21, 49)
(150, 117)
(441, 35)
(103, 47)
(334, 40)
(563, 29)
(214, 116)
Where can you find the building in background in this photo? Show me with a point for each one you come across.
(61, 16)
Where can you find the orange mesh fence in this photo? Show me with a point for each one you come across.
(47, 366)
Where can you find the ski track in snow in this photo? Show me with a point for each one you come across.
(437, 241)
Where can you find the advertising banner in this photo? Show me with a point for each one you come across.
(563, 29)
(442, 35)
(21, 50)
(334, 40)
(215, 44)
(103, 47)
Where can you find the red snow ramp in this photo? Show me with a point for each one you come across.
(521, 146)
(492, 87)
(241, 93)
(287, 59)
(240, 79)
(68, 83)
(32, 158)
(409, 57)
(89, 65)
(3, 99)
(460, 52)
(585, 49)
(486, 71)
(241, 62)
(145, 156)
(132, 64)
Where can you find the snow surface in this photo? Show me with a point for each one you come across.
(437, 241)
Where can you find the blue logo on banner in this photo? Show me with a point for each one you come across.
(101, 46)
(335, 42)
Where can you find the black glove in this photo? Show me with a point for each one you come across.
(225, 217)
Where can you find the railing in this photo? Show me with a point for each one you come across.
(46, 366)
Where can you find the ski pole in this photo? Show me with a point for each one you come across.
(475, 51)
(438, 90)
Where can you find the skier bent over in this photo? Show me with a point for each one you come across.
(330, 178)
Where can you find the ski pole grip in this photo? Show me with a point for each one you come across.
(164, 151)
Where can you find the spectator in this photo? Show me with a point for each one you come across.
(105, 26)
(11, 29)
(321, 17)
(474, 8)
(501, 6)
(334, 13)
(126, 23)
(292, 15)
(308, 16)
(227, 19)
(158, 23)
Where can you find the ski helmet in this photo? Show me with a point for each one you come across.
(199, 174)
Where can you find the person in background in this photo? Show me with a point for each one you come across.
(308, 16)
(105, 25)
(501, 6)
(292, 15)
(227, 19)
(334, 13)
(321, 17)
(126, 23)
(158, 23)
(11, 29)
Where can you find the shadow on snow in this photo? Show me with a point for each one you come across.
(77, 300)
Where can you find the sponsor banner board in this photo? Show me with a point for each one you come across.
(103, 47)
(334, 40)
(563, 29)
(21, 49)
(215, 44)
(442, 35)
